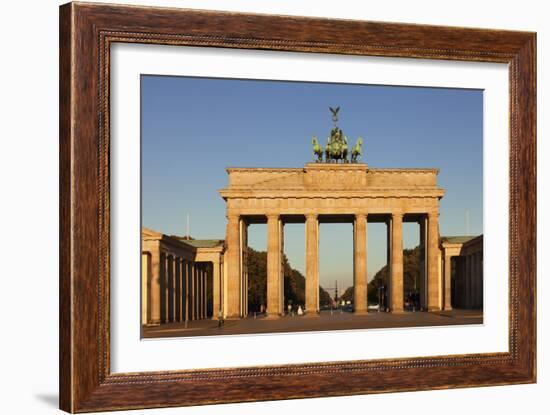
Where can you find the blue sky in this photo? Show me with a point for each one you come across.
(194, 128)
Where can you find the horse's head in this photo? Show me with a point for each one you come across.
(360, 141)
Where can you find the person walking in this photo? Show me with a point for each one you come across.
(220, 319)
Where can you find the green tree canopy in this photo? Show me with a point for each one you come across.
(294, 282)
(411, 274)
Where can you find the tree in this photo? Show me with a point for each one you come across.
(411, 275)
(347, 296)
(294, 282)
(324, 297)
(257, 279)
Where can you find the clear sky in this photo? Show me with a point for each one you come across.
(194, 128)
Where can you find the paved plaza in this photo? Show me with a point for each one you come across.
(326, 320)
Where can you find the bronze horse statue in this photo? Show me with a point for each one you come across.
(356, 151)
(317, 150)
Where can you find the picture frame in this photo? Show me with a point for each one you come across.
(86, 33)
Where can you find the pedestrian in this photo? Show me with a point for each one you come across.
(220, 319)
(300, 311)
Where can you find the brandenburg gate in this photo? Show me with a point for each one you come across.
(332, 192)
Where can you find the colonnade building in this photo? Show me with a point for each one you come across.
(463, 268)
(180, 278)
(184, 280)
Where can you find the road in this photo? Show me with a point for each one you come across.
(323, 322)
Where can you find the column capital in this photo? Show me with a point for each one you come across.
(361, 215)
(273, 216)
(433, 215)
(311, 216)
(232, 216)
(397, 215)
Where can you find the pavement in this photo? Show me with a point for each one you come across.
(325, 320)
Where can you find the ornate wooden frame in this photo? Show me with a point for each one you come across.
(86, 33)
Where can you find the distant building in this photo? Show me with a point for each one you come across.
(178, 278)
(462, 261)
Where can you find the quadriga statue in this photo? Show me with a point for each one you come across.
(336, 149)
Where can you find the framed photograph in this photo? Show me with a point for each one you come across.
(259, 207)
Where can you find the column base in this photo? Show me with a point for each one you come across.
(397, 311)
(272, 316)
(360, 312)
(432, 309)
(310, 314)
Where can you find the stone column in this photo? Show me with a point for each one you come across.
(177, 289)
(396, 279)
(244, 267)
(422, 284)
(198, 291)
(273, 266)
(233, 261)
(473, 267)
(155, 289)
(434, 283)
(473, 279)
(202, 280)
(462, 275)
(458, 282)
(200, 277)
(222, 286)
(189, 293)
(195, 291)
(216, 289)
(281, 268)
(312, 265)
(184, 290)
(447, 281)
(205, 291)
(190, 288)
(480, 279)
(387, 293)
(171, 289)
(163, 289)
(467, 281)
(145, 288)
(360, 265)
